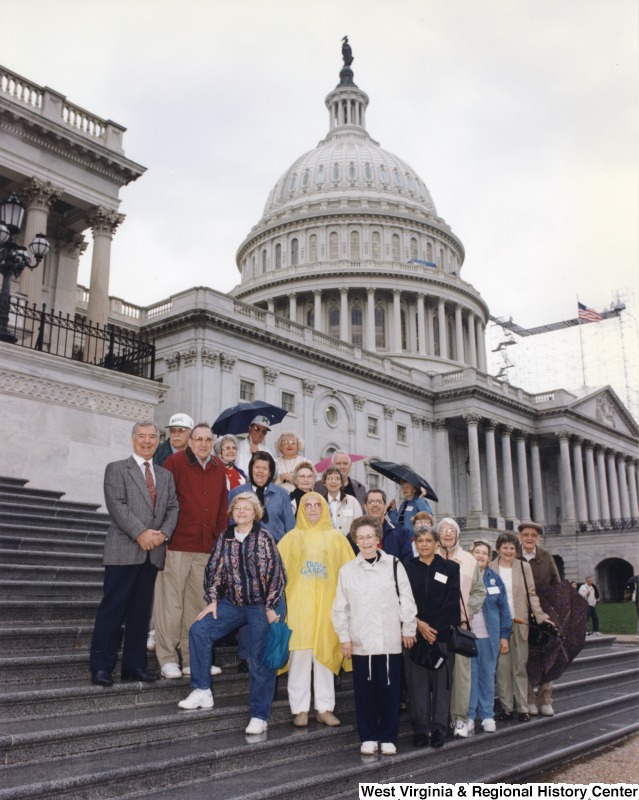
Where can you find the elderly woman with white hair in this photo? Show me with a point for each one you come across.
(289, 447)
(472, 596)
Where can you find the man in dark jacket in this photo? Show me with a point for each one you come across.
(179, 427)
(200, 482)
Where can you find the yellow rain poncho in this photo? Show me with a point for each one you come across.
(313, 556)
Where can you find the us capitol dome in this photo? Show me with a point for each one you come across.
(350, 243)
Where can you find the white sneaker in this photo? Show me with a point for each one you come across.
(488, 725)
(171, 670)
(388, 749)
(214, 671)
(533, 711)
(460, 729)
(199, 698)
(547, 710)
(470, 727)
(368, 748)
(150, 641)
(256, 726)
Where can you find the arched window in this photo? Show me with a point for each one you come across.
(333, 321)
(263, 261)
(333, 246)
(376, 244)
(253, 267)
(429, 251)
(357, 326)
(310, 318)
(395, 246)
(380, 328)
(442, 259)
(278, 256)
(355, 256)
(295, 249)
(402, 320)
(413, 247)
(312, 248)
(335, 172)
(437, 347)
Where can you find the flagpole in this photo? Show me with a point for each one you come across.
(581, 345)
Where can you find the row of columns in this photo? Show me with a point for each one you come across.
(606, 493)
(39, 198)
(469, 331)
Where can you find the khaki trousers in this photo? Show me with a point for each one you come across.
(512, 678)
(460, 693)
(179, 598)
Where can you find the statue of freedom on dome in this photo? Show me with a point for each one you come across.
(347, 53)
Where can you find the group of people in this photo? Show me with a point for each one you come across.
(210, 536)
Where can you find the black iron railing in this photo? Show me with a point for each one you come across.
(103, 346)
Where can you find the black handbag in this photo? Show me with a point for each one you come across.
(462, 640)
(427, 655)
(537, 634)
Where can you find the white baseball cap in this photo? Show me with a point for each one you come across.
(181, 420)
(264, 422)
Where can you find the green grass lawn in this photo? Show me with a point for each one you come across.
(617, 618)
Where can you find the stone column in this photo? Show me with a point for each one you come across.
(343, 314)
(443, 486)
(603, 486)
(70, 246)
(397, 322)
(421, 324)
(459, 335)
(104, 224)
(476, 505)
(522, 477)
(623, 487)
(566, 478)
(507, 472)
(632, 487)
(270, 305)
(308, 388)
(480, 337)
(443, 332)
(472, 342)
(580, 486)
(38, 198)
(491, 465)
(539, 514)
(317, 310)
(430, 315)
(292, 307)
(370, 320)
(591, 484)
(613, 486)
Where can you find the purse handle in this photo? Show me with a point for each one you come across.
(461, 597)
(523, 572)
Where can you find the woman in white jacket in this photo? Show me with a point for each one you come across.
(343, 507)
(373, 614)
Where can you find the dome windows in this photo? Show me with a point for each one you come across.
(376, 246)
(368, 172)
(335, 172)
(278, 256)
(355, 252)
(320, 175)
(295, 252)
(293, 183)
(333, 246)
(383, 174)
(399, 182)
(306, 177)
(312, 248)
(352, 171)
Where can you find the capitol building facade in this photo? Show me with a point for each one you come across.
(351, 312)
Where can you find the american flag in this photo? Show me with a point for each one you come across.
(588, 314)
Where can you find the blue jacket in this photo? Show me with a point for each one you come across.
(397, 541)
(495, 609)
(279, 513)
(409, 508)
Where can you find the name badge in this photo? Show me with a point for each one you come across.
(441, 578)
(493, 590)
(409, 508)
(348, 512)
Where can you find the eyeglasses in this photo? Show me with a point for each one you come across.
(374, 502)
(242, 508)
(200, 439)
(257, 429)
(178, 430)
(289, 441)
(367, 538)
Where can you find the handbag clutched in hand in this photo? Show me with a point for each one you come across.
(462, 642)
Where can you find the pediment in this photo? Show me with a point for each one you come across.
(604, 407)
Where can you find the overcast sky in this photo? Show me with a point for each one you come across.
(519, 115)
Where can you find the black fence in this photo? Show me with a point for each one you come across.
(104, 346)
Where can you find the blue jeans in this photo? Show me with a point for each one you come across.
(206, 631)
(482, 681)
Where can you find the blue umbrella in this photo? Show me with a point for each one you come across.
(237, 418)
(399, 473)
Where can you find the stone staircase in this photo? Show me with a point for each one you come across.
(61, 737)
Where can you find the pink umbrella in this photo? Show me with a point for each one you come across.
(326, 462)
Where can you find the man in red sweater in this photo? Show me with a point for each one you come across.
(200, 483)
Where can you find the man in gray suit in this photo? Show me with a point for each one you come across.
(143, 506)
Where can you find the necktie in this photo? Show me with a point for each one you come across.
(150, 485)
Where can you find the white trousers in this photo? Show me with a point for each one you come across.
(300, 665)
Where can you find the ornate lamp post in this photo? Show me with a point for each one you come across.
(14, 257)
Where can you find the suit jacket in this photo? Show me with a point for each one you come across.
(520, 601)
(129, 505)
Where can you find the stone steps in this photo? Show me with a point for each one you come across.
(29, 542)
(83, 532)
(25, 557)
(42, 507)
(50, 573)
(41, 610)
